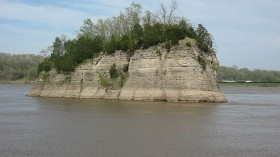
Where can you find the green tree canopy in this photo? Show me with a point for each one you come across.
(129, 31)
(21, 67)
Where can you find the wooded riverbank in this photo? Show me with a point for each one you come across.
(258, 84)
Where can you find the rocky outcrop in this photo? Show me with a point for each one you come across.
(153, 74)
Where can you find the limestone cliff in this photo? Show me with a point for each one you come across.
(153, 74)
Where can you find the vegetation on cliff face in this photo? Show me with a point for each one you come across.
(18, 68)
(116, 78)
(201, 61)
(132, 29)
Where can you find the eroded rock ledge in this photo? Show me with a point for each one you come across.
(153, 74)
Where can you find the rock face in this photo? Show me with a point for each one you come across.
(153, 74)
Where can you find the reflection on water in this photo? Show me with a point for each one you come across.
(248, 125)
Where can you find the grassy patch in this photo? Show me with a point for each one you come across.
(104, 81)
(115, 79)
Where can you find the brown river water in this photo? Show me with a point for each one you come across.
(248, 125)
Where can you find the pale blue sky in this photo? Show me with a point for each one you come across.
(246, 32)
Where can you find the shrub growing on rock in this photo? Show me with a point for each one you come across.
(201, 61)
(114, 72)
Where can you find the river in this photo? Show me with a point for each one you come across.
(248, 125)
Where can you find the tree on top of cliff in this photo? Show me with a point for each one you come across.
(204, 38)
(129, 31)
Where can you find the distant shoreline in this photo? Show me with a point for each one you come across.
(258, 84)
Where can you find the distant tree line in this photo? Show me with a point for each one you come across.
(243, 74)
(130, 30)
(19, 67)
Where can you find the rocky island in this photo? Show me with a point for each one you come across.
(181, 68)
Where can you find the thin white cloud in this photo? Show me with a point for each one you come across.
(56, 17)
(16, 32)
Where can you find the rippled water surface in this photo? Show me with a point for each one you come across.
(248, 125)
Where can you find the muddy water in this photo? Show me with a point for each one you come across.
(248, 125)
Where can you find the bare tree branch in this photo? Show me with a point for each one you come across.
(168, 15)
(163, 12)
(173, 8)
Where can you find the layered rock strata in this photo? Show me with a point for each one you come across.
(153, 74)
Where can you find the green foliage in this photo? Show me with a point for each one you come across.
(125, 68)
(202, 45)
(190, 32)
(243, 74)
(87, 28)
(125, 43)
(174, 33)
(66, 64)
(137, 35)
(114, 73)
(186, 29)
(121, 80)
(204, 39)
(188, 44)
(168, 46)
(127, 32)
(85, 48)
(152, 35)
(201, 61)
(215, 66)
(112, 45)
(117, 77)
(45, 76)
(46, 66)
(19, 67)
(246, 84)
(104, 81)
(58, 47)
(74, 52)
